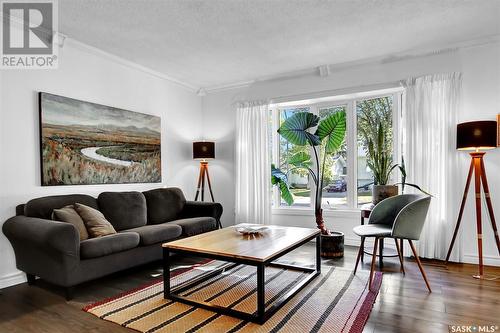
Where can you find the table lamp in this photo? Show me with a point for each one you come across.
(203, 150)
(477, 136)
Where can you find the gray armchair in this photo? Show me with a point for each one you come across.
(399, 217)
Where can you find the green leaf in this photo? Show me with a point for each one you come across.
(381, 137)
(285, 193)
(277, 175)
(279, 179)
(402, 169)
(333, 129)
(379, 157)
(295, 129)
(300, 160)
(388, 174)
(417, 187)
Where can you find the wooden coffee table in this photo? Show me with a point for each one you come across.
(260, 250)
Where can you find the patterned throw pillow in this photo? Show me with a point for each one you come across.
(68, 214)
(95, 222)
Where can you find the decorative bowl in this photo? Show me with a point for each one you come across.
(251, 230)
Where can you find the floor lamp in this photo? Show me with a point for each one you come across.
(203, 150)
(477, 136)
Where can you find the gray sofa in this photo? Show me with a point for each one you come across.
(53, 251)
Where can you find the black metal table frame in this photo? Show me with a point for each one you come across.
(261, 315)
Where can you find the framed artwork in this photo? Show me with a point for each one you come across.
(83, 143)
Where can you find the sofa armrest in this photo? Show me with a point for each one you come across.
(43, 234)
(202, 209)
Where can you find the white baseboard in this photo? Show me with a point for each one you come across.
(19, 277)
(487, 260)
(467, 259)
(352, 241)
(12, 279)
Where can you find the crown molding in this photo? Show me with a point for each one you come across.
(319, 71)
(98, 52)
(328, 70)
(61, 39)
(229, 86)
(267, 78)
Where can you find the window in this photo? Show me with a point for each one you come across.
(335, 177)
(372, 115)
(298, 179)
(348, 180)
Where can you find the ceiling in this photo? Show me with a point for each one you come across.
(208, 43)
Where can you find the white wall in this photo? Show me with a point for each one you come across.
(480, 66)
(90, 76)
(481, 100)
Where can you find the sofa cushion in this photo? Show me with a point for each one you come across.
(124, 210)
(68, 214)
(196, 225)
(102, 246)
(95, 222)
(152, 234)
(164, 204)
(43, 207)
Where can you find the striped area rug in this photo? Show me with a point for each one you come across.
(335, 301)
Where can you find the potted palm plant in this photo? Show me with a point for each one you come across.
(325, 138)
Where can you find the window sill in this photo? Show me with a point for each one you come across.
(299, 211)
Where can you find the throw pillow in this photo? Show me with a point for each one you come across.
(96, 223)
(68, 214)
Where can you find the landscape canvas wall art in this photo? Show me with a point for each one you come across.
(85, 143)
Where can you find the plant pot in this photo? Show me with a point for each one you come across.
(381, 192)
(332, 246)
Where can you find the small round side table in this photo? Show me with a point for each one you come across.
(365, 214)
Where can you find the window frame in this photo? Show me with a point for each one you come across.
(351, 142)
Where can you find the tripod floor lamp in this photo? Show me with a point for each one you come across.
(477, 136)
(203, 151)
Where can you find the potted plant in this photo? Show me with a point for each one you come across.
(379, 160)
(325, 137)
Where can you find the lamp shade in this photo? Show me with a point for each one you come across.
(203, 150)
(477, 135)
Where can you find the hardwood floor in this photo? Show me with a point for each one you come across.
(404, 305)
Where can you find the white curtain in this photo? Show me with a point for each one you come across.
(429, 122)
(253, 168)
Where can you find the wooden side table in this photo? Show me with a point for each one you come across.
(365, 213)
